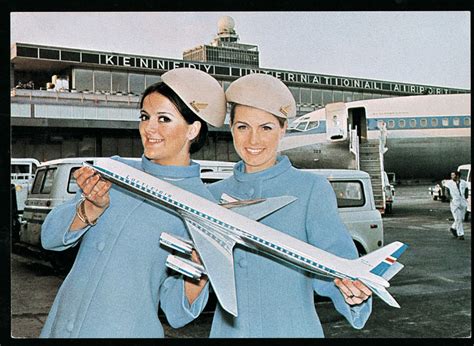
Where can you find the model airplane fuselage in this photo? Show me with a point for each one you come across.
(215, 230)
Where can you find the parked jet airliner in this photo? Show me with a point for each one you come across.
(427, 135)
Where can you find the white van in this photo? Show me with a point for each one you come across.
(53, 184)
(355, 200)
(22, 175)
(465, 174)
(215, 166)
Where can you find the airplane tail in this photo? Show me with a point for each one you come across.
(383, 263)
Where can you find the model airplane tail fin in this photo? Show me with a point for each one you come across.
(383, 262)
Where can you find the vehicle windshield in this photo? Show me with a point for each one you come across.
(43, 181)
(463, 173)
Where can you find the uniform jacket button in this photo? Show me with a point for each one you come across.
(70, 326)
(243, 263)
(100, 246)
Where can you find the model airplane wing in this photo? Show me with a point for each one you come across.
(216, 255)
(258, 209)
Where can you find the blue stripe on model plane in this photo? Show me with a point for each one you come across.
(382, 267)
(399, 251)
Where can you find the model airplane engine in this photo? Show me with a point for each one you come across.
(185, 267)
(179, 244)
(181, 265)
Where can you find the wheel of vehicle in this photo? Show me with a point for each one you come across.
(467, 216)
(435, 198)
(388, 208)
(360, 249)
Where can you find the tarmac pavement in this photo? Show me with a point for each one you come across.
(434, 288)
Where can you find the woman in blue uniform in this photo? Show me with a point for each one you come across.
(119, 277)
(275, 299)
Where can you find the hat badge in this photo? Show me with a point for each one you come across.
(198, 106)
(285, 109)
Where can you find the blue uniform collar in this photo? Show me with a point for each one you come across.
(176, 172)
(282, 165)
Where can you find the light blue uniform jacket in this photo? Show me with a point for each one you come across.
(276, 299)
(119, 276)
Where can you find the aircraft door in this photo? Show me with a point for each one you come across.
(336, 121)
(357, 119)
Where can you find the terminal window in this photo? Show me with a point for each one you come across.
(27, 52)
(49, 54)
(70, 56)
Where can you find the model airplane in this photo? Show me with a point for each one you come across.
(215, 229)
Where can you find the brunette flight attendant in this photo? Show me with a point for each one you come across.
(275, 299)
(119, 278)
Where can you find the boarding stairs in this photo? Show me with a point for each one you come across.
(369, 158)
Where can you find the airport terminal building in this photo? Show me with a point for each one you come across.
(68, 102)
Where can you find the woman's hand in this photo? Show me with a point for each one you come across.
(191, 287)
(93, 187)
(96, 193)
(354, 292)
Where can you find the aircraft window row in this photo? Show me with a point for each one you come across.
(402, 123)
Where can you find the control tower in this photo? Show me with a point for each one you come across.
(225, 48)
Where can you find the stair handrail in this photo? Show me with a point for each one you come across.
(383, 138)
(354, 145)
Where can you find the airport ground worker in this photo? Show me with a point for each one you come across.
(119, 277)
(458, 191)
(275, 299)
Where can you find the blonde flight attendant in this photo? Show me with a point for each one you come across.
(275, 299)
(119, 278)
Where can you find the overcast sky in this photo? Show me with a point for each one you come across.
(430, 48)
